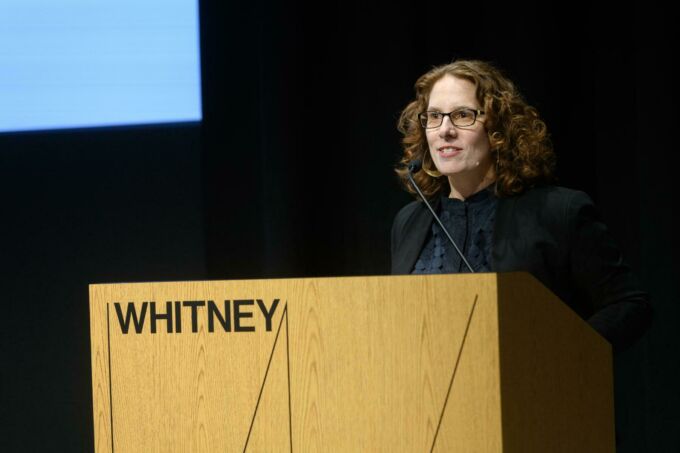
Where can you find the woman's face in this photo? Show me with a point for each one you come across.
(457, 151)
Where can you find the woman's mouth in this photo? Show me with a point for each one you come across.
(448, 151)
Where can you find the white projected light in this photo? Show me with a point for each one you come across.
(85, 63)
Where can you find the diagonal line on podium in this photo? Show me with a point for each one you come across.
(290, 410)
(453, 375)
(266, 373)
(108, 338)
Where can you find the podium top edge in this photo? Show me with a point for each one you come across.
(283, 279)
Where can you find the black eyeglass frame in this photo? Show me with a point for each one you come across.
(422, 116)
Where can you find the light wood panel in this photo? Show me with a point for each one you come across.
(350, 364)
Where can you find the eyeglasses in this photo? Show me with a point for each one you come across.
(463, 117)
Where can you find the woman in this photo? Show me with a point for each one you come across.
(487, 165)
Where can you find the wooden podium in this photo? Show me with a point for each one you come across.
(443, 363)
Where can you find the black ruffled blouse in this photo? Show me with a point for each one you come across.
(470, 224)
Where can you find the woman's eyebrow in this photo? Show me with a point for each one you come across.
(434, 108)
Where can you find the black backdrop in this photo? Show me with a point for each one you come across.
(290, 174)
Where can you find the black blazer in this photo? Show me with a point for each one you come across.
(555, 234)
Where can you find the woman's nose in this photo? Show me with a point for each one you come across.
(447, 128)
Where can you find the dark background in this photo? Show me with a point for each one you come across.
(290, 175)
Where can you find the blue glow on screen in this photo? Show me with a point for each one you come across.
(85, 63)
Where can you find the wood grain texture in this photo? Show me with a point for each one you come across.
(350, 364)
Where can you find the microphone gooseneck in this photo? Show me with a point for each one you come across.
(413, 167)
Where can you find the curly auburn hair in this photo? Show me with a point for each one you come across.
(518, 137)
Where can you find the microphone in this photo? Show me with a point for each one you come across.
(413, 167)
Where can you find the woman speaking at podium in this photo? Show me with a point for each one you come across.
(482, 158)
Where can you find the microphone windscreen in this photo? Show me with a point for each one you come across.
(415, 165)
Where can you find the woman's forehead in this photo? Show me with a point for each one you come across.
(452, 92)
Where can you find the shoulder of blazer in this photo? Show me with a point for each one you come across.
(406, 215)
(550, 208)
(552, 198)
(409, 230)
(526, 221)
(414, 213)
